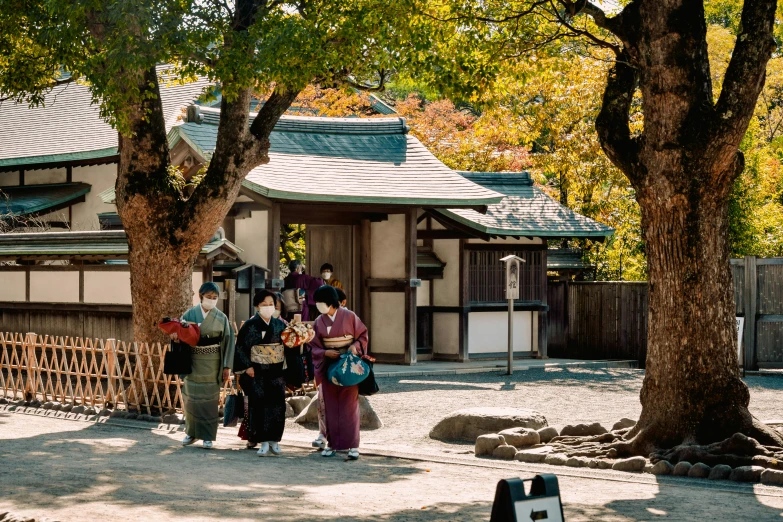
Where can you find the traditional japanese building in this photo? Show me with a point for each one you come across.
(416, 244)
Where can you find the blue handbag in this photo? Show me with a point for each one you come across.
(348, 370)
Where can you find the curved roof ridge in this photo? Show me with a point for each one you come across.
(323, 124)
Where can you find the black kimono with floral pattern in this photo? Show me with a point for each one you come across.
(266, 389)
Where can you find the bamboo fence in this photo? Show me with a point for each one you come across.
(89, 372)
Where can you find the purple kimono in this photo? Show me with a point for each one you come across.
(310, 284)
(341, 402)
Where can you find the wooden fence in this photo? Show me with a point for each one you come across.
(89, 372)
(88, 321)
(608, 320)
(598, 320)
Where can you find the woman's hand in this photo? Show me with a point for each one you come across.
(250, 372)
(354, 350)
(332, 354)
(226, 374)
(174, 337)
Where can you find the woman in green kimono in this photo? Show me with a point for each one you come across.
(212, 360)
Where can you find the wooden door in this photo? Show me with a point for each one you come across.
(334, 244)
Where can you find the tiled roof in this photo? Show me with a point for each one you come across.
(35, 199)
(565, 258)
(525, 211)
(69, 126)
(346, 160)
(94, 244)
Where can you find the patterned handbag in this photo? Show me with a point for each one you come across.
(234, 408)
(349, 370)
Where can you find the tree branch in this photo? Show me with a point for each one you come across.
(744, 79)
(612, 123)
(274, 107)
(383, 76)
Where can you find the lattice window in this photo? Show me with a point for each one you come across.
(487, 276)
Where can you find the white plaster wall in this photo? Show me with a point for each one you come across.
(509, 241)
(445, 333)
(13, 285)
(54, 287)
(198, 278)
(388, 248)
(488, 332)
(100, 177)
(446, 290)
(423, 294)
(9, 179)
(388, 322)
(45, 176)
(251, 236)
(58, 215)
(107, 287)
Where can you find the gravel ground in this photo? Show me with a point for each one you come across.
(410, 406)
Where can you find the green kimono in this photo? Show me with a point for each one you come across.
(201, 390)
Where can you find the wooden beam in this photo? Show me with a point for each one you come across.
(443, 234)
(21, 177)
(750, 301)
(452, 224)
(410, 292)
(256, 197)
(543, 316)
(464, 301)
(273, 241)
(81, 283)
(69, 174)
(207, 272)
(365, 270)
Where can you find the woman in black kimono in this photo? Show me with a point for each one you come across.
(259, 360)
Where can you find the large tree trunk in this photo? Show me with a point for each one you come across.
(682, 166)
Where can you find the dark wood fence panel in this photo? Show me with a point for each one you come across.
(68, 323)
(558, 314)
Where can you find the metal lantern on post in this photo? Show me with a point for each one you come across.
(512, 292)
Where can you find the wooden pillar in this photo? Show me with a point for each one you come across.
(206, 271)
(410, 292)
(464, 301)
(81, 282)
(543, 315)
(750, 305)
(230, 286)
(365, 271)
(273, 241)
(250, 309)
(31, 384)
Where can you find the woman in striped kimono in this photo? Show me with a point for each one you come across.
(212, 360)
(341, 402)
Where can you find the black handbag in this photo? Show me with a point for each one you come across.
(177, 360)
(233, 409)
(369, 386)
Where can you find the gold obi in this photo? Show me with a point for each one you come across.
(267, 354)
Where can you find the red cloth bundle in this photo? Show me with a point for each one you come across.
(188, 333)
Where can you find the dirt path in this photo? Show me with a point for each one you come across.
(71, 471)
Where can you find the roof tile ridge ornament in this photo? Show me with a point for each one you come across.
(193, 114)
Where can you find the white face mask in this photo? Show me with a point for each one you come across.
(276, 314)
(326, 276)
(322, 307)
(208, 304)
(266, 311)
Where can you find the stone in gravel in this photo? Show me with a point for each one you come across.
(521, 437)
(631, 464)
(772, 477)
(35, 404)
(3, 400)
(299, 403)
(66, 408)
(90, 411)
(547, 434)
(583, 430)
(289, 411)
(57, 406)
(170, 419)
(682, 468)
(105, 412)
(117, 414)
(505, 452)
(746, 474)
(662, 467)
(604, 464)
(486, 444)
(767, 462)
(466, 425)
(310, 414)
(578, 462)
(533, 455)
(47, 405)
(368, 419)
(720, 472)
(131, 415)
(77, 409)
(143, 417)
(556, 459)
(623, 423)
(700, 470)
(156, 418)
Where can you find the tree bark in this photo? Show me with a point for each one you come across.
(682, 166)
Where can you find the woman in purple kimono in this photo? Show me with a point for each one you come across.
(341, 402)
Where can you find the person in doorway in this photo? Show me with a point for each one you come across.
(341, 402)
(298, 279)
(258, 360)
(327, 274)
(212, 361)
